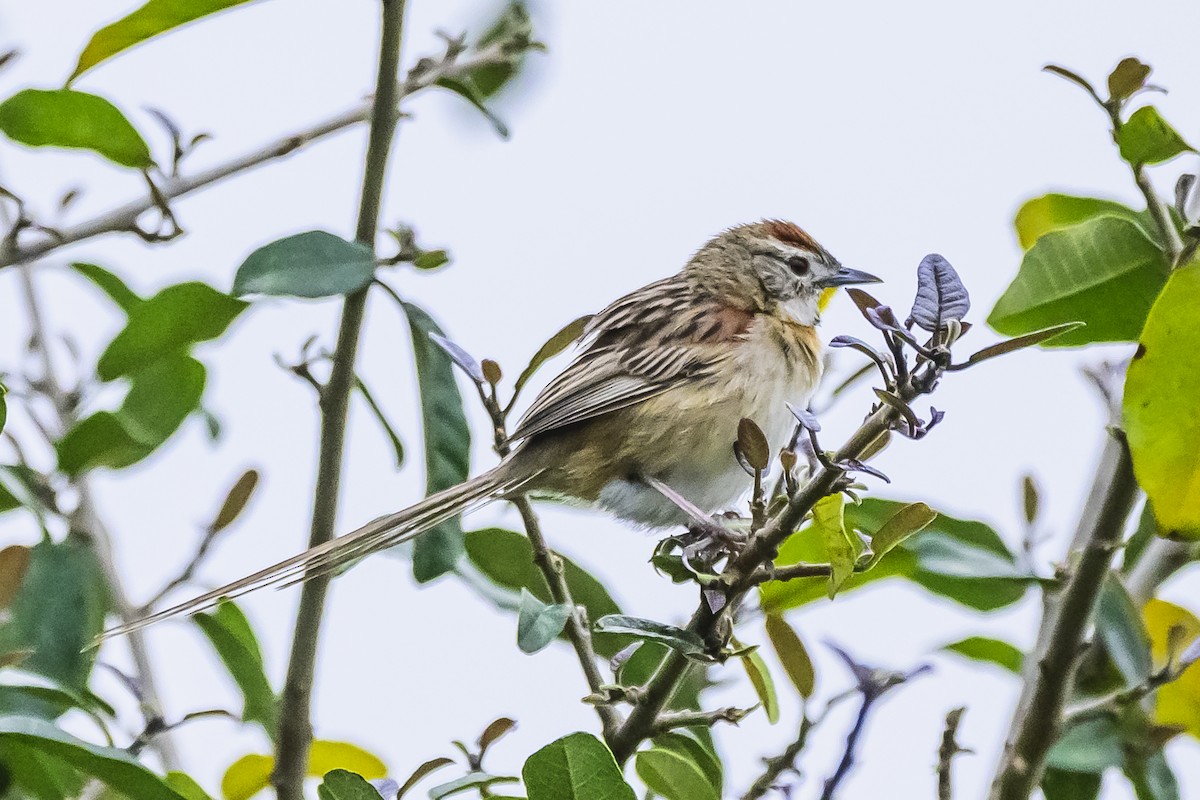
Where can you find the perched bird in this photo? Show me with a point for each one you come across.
(642, 423)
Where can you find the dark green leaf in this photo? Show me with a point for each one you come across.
(311, 264)
(465, 88)
(340, 784)
(1074, 78)
(1105, 272)
(1161, 386)
(1058, 784)
(154, 18)
(57, 612)
(792, 654)
(684, 641)
(1128, 77)
(513, 27)
(1119, 626)
(1152, 777)
(1147, 529)
(764, 684)
(1053, 212)
(1090, 745)
(422, 771)
(65, 118)
(1147, 138)
(673, 776)
(381, 418)
(232, 637)
(539, 624)
(468, 783)
(575, 767)
(553, 346)
(176, 317)
(186, 786)
(235, 501)
(99, 441)
(431, 259)
(1020, 342)
(111, 285)
(506, 558)
(50, 701)
(447, 444)
(994, 651)
(25, 742)
(24, 487)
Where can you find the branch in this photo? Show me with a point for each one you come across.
(781, 763)
(1049, 673)
(578, 628)
(295, 725)
(185, 575)
(700, 719)
(86, 523)
(946, 753)
(124, 218)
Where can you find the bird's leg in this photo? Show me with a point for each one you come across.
(702, 528)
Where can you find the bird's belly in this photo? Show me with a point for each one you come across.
(685, 438)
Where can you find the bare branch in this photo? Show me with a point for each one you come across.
(947, 751)
(699, 719)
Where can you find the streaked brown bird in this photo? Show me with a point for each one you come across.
(642, 423)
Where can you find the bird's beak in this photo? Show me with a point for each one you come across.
(847, 277)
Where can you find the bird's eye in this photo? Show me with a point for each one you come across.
(799, 265)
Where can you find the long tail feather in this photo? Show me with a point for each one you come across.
(379, 534)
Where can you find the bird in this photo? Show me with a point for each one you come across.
(642, 423)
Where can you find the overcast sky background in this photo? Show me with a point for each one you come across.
(886, 130)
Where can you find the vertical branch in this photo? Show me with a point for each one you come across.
(295, 725)
(86, 523)
(1049, 673)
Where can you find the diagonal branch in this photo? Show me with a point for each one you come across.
(124, 218)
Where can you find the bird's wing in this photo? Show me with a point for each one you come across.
(641, 346)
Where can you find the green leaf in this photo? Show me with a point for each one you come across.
(1019, 343)
(696, 752)
(1161, 387)
(24, 487)
(342, 785)
(993, 651)
(447, 444)
(1058, 784)
(911, 519)
(381, 418)
(1090, 745)
(679, 639)
(1152, 777)
(792, 653)
(1128, 77)
(154, 18)
(25, 741)
(539, 624)
(311, 264)
(111, 285)
(506, 558)
(66, 118)
(513, 26)
(422, 771)
(186, 787)
(764, 684)
(553, 346)
(1053, 212)
(465, 88)
(472, 781)
(575, 767)
(58, 611)
(232, 637)
(1119, 626)
(235, 501)
(1104, 272)
(160, 398)
(1147, 138)
(50, 700)
(175, 318)
(673, 775)
(830, 525)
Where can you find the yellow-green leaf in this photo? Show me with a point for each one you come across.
(764, 685)
(77, 120)
(1161, 391)
(792, 654)
(913, 518)
(829, 520)
(250, 774)
(1053, 212)
(1147, 138)
(1178, 702)
(152, 19)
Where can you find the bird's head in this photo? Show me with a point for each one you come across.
(771, 266)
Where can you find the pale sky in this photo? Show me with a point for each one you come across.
(887, 130)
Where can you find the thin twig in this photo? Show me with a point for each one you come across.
(185, 575)
(947, 751)
(295, 726)
(124, 218)
(775, 767)
(699, 719)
